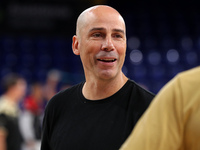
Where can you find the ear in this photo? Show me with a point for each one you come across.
(75, 45)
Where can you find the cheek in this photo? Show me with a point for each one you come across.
(121, 49)
(89, 49)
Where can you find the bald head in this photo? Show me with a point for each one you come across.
(93, 12)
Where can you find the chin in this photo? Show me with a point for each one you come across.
(107, 75)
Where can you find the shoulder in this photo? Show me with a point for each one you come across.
(186, 84)
(182, 82)
(60, 103)
(139, 89)
(140, 96)
(7, 107)
(64, 96)
(191, 75)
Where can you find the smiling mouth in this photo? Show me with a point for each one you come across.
(107, 60)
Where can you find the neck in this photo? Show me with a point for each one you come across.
(11, 97)
(100, 89)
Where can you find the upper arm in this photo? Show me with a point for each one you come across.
(3, 136)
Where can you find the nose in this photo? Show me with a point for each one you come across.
(107, 44)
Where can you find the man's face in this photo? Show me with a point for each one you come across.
(102, 44)
(20, 89)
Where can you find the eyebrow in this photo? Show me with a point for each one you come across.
(100, 29)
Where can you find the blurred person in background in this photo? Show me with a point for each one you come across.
(172, 121)
(100, 112)
(51, 85)
(14, 89)
(31, 117)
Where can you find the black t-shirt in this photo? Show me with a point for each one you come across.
(75, 123)
(13, 137)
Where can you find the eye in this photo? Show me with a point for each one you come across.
(117, 36)
(96, 35)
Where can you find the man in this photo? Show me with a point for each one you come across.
(32, 115)
(172, 120)
(100, 112)
(14, 89)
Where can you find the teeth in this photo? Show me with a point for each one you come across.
(107, 60)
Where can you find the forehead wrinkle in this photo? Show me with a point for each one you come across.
(103, 29)
(119, 30)
(96, 29)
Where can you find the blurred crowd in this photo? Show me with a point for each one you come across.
(22, 107)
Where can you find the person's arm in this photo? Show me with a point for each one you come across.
(3, 136)
(161, 126)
